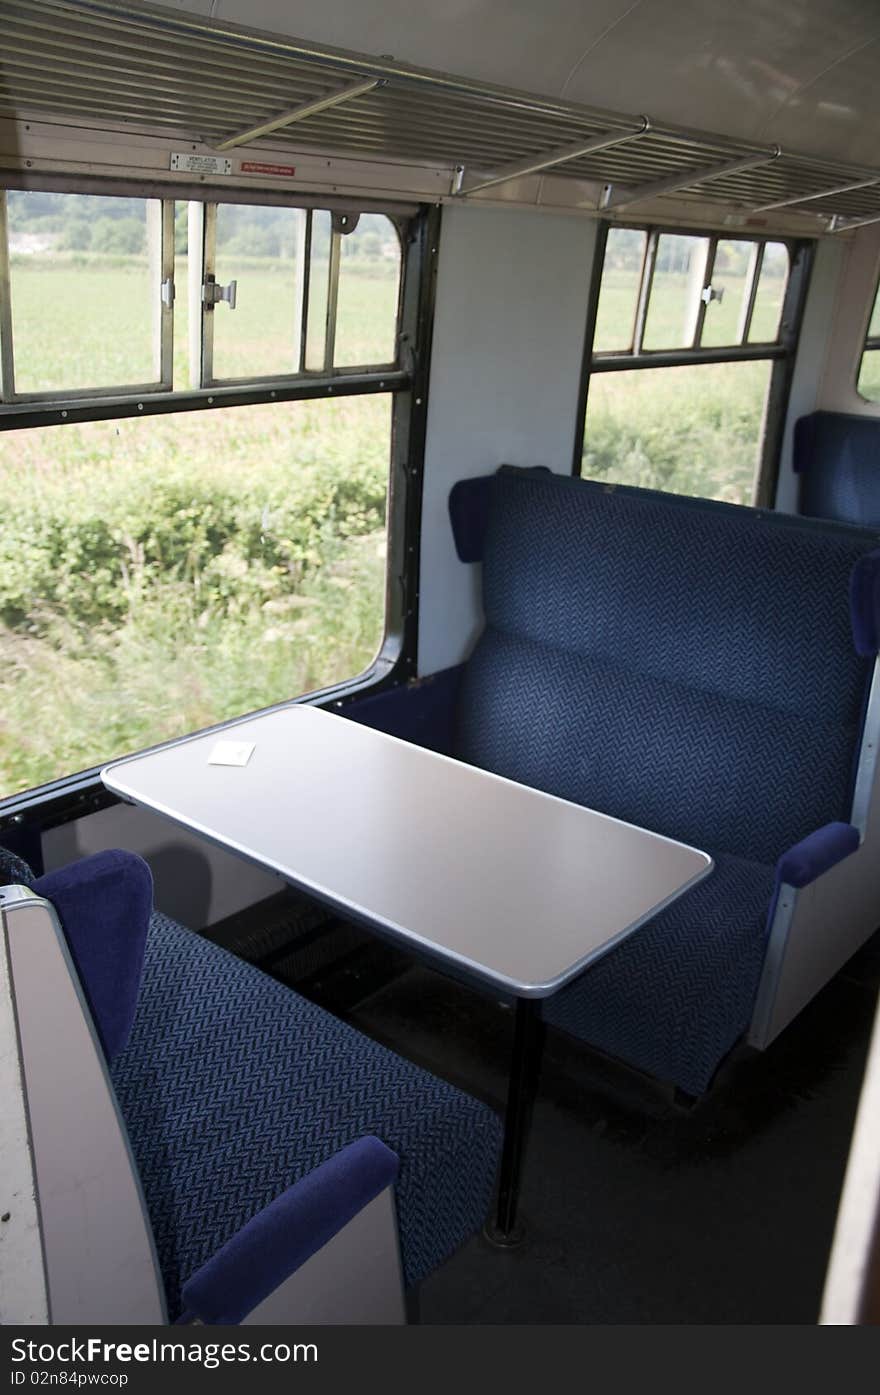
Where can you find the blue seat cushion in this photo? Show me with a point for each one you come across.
(686, 666)
(233, 1087)
(838, 459)
(675, 997)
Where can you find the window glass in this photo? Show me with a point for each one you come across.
(869, 375)
(731, 278)
(676, 289)
(868, 384)
(693, 430)
(619, 293)
(259, 248)
(369, 279)
(319, 270)
(772, 282)
(84, 289)
(160, 574)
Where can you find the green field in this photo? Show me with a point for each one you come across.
(163, 573)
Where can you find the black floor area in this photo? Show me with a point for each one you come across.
(636, 1211)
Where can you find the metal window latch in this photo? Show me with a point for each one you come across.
(213, 293)
(710, 293)
(168, 293)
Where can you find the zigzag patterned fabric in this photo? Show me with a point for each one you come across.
(674, 998)
(233, 1087)
(688, 668)
(14, 871)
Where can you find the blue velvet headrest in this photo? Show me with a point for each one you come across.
(104, 904)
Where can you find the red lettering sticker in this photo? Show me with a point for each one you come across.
(255, 167)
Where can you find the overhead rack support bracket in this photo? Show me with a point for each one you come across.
(821, 194)
(287, 118)
(838, 224)
(686, 179)
(536, 164)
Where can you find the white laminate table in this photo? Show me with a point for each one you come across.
(514, 887)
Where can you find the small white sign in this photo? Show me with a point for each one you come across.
(200, 164)
(231, 753)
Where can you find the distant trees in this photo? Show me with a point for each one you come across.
(118, 227)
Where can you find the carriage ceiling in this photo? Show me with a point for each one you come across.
(744, 106)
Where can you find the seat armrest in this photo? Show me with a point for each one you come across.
(815, 854)
(276, 1242)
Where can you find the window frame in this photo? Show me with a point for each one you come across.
(160, 254)
(76, 795)
(869, 343)
(55, 406)
(780, 352)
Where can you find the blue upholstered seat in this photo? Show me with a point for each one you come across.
(688, 667)
(233, 1087)
(837, 457)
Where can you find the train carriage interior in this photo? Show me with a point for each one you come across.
(439, 633)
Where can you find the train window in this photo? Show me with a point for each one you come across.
(369, 278)
(260, 250)
(165, 566)
(676, 285)
(869, 367)
(85, 295)
(733, 275)
(289, 291)
(692, 429)
(769, 294)
(619, 292)
(161, 574)
(676, 395)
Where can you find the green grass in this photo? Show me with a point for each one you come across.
(159, 574)
(694, 430)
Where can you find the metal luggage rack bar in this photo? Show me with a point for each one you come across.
(227, 87)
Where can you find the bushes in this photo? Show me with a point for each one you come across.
(94, 555)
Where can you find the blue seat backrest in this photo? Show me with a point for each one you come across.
(838, 460)
(683, 665)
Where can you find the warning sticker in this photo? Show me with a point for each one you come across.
(256, 167)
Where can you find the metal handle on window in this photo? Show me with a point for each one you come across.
(213, 293)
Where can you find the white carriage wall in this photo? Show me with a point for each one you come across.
(511, 311)
(836, 315)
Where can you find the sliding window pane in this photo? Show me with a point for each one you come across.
(369, 282)
(679, 273)
(694, 430)
(619, 293)
(84, 290)
(731, 278)
(259, 248)
(319, 270)
(772, 282)
(869, 375)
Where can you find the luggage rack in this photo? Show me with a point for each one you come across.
(184, 75)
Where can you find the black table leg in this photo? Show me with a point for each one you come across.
(528, 1040)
